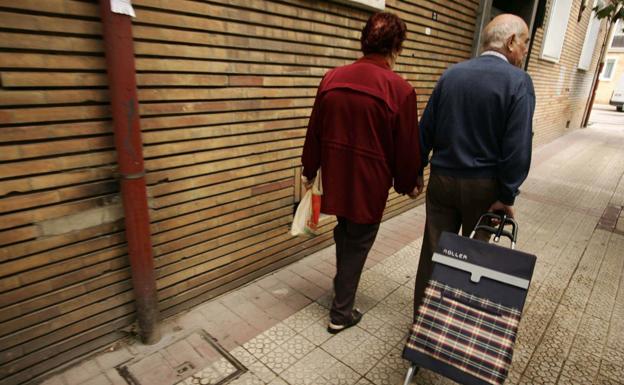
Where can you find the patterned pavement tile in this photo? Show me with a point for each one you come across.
(364, 381)
(260, 345)
(279, 333)
(401, 300)
(243, 356)
(566, 318)
(583, 370)
(247, 379)
(339, 374)
(400, 321)
(371, 324)
(307, 316)
(600, 307)
(391, 369)
(593, 327)
(298, 346)
(391, 335)
(343, 343)
(326, 299)
(316, 333)
(612, 370)
(514, 376)
(278, 381)
(521, 357)
(565, 380)
(545, 365)
(613, 355)
(385, 375)
(360, 361)
(364, 303)
(367, 354)
(278, 359)
(381, 290)
(585, 345)
(370, 278)
(261, 371)
(224, 366)
(309, 368)
(602, 380)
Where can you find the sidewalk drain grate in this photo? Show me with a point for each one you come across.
(195, 359)
(610, 218)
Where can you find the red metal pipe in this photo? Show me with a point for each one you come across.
(118, 43)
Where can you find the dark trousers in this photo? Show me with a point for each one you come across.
(353, 242)
(451, 203)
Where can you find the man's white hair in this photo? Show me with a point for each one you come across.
(496, 34)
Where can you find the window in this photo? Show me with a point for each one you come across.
(609, 69)
(618, 36)
(554, 34)
(591, 36)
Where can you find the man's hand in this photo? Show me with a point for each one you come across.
(420, 185)
(500, 206)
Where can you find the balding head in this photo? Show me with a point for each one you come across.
(509, 35)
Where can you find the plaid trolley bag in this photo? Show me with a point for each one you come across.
(466, 326)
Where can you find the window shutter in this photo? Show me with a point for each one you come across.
(590, 42)
(556, 30)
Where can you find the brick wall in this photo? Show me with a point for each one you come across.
(561, 88)
(225, 90)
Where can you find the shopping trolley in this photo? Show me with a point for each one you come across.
(466, 325)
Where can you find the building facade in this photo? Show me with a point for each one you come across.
(612, 74)
(225, 90)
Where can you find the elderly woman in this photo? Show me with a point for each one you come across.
(363, 134)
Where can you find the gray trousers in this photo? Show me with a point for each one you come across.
(451, 203)
(353, 242)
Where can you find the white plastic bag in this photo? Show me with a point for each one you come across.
(302, 215)
(308, 214)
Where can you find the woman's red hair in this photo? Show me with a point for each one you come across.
(383, 33)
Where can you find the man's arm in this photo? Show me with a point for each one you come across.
(427, 127)
(407, 158)
(515, 158)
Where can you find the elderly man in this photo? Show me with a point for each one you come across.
(478, 122)
(363, 134)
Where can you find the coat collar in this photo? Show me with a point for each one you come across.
(375, 58)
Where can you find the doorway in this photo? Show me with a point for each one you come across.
(532, 11)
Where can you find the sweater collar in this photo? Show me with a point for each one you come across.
(375, 58)
(494, 53)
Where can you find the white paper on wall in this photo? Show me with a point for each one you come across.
(377, 5)
(123, 7)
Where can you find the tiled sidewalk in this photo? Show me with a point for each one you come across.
(572, 331)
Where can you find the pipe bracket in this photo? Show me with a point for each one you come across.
(136, 175)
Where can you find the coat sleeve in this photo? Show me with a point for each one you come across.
(407, 160)
(515, 160)
(311, 156)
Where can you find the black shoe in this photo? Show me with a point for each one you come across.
(356, 316)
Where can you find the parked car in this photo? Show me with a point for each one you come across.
(617, 97)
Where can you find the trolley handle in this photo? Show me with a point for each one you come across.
(498, 231)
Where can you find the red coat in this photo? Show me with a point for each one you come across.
(363, 133)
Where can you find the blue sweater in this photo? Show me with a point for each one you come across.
(478, 122)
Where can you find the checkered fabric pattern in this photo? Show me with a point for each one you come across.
(472, 334)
